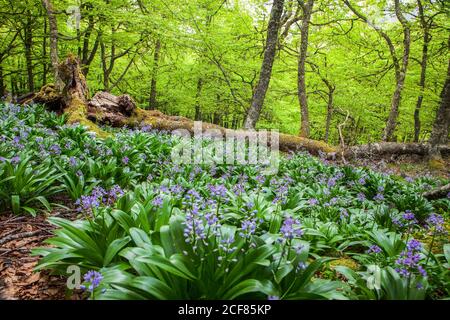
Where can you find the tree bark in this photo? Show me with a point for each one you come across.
(44, 54)
(53, 43)
(392, 148)
(86, 56)
(2, 81)
(302, 95)
(423, 70)
(439, 134)
(28, 44)
(266, 67)
(153, 104)
(198, 110)
(329, 112)
(438, 193)
(400, 68)
(400, 76)
(105, 69)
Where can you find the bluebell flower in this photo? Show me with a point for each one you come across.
(436, 223)
(378, 197)
(93, 279)
(158, 201)
(409, 261)
(374, 249)
(290, 229)
(361, 197)
(15, 160)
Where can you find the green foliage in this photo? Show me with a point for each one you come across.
(218, 231)
(210, 57)
(24, 183)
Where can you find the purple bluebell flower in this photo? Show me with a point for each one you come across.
(378, 197)
(192, 194)
(408, 215)
(409, 260)
(176, 189)
(98, 197)
(313, 201)
(361, 197)
(15, 160)
(331, 182)
(114, 193)
(248, 227)
(93, 279)
(219, 191)
(374, 249)
(238, 189)
(125, 160)
(343, 213)
(436, 223)
(158, 201)
(72, 161)
(226, 244)
(290, 229)
(55, 149)
(260, 179)
(409, 179)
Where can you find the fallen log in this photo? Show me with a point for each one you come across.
(392, 148)
(107, 109)
(438, 193)
(119, 111)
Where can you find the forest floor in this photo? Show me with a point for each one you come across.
(20, 234)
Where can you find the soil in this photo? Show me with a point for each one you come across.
(18, 281)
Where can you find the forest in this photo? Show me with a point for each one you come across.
(349, 99)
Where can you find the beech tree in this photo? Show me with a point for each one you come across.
(266, 67)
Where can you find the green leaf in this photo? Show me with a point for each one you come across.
(114, 248)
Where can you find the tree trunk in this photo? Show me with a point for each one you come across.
(440, 132)
(105, 69)
(86, 56)
(392, 148)
(2, 81)
(423, 71)
(400, 76)
(53, 43)
(28, 44)
(153, 104)
(329, 113)
(438, 193)
(302, 95)
(198, 111)
(266, 67)
(44, 54)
